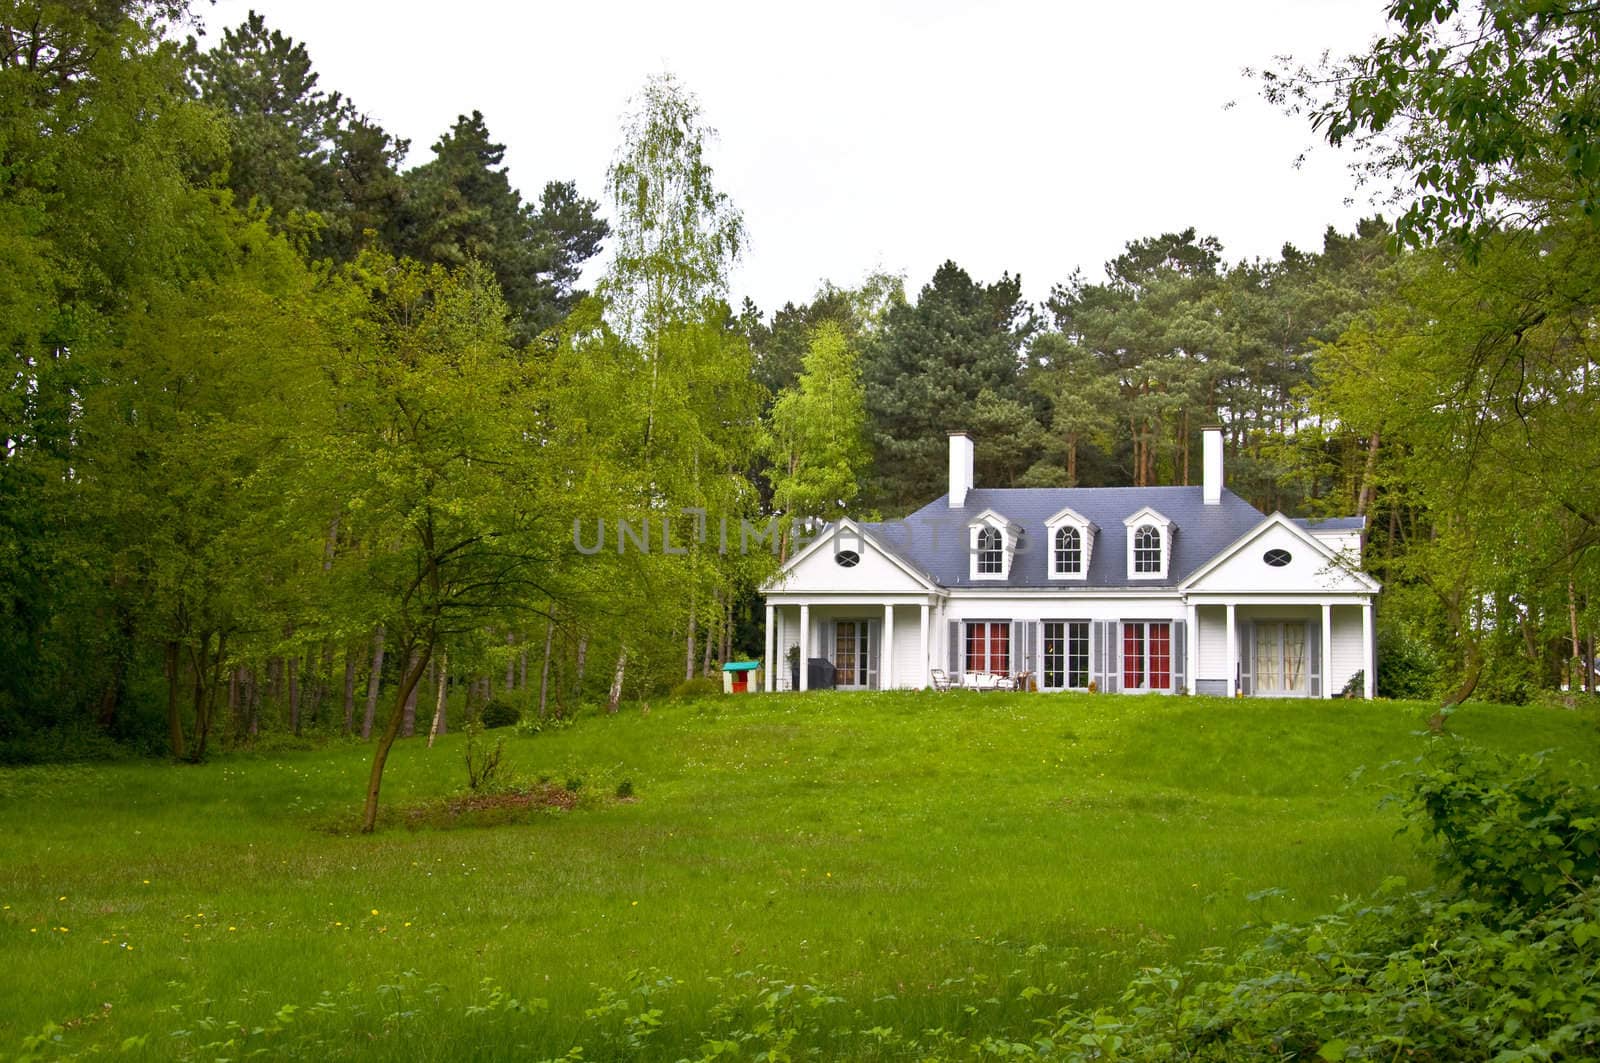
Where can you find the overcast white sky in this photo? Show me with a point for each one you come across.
(892, 134)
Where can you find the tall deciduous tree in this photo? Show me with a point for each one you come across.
(816, 436)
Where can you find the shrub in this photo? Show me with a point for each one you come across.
(696, 688)
(1406, 666)
(625, 788)
(483, 765)
(499, 714)
(1510, 831)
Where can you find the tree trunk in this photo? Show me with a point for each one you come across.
(254, 727)
(583, 659)
(615, 697)
(727, 630)
(438, 727)
(294, 694)
(522, 671)
(374, 680)
(404, 694)
(349, 690)
(705, 657)
(174, 721)
(511, 664)
(688, 652)
(544, 670)
(409, 710)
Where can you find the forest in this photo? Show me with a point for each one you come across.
(298, 417)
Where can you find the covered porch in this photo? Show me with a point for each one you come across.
(881, 642)
(1262, 645)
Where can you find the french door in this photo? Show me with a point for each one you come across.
(1066, 654)
(1281, 658)
(989, 646)
(1147, 656)
(854, 654)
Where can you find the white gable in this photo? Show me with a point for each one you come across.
(816, 568)
(1311, 568)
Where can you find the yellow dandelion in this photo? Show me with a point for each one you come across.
(231, 929)
(62, 929)
(408, 924)
(62, 897)
(636, 904)
(374, 911)
(33, 930)
(147, 882)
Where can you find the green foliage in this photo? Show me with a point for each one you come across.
(698, 687)
(1515, 833)
(483, 763)
(816, 439)
(1483, 115)
(1406, 665)
(498, 713)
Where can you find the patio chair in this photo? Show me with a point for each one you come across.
(980, 681)
(940, 679)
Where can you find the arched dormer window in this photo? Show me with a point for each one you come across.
(1071, 543)
(991, 552)
(992, 541)
(1067, 554)
(1149, 544)
(1146, 550)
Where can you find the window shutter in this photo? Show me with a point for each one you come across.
(1097, 655)
(1179, 656)
(1019, 652)
(1247, 652)
(1113, 642)
(955, 650)
(1031, 645)
(874, 636)
(1314, 633)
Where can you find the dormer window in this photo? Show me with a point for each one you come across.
(1070, 539)
(993, 541)
(1068, 556)
(1146, 550)
(991, 552)
(1149, 545)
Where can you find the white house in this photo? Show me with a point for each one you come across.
(1132, 589)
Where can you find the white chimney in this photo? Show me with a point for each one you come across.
(960, 469)
(1212, 491)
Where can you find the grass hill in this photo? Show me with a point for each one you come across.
(897, 861)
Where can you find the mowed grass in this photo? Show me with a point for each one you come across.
(905, 850)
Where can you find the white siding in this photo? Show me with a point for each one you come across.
(1213, 644)
(908, 672)
(819, 572)
(1308, 571)
(1348, 653)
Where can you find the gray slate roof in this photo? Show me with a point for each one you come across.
(933, 540)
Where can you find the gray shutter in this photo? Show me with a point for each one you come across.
(955, 650)
(1247, 650)
(1314, 633)
(1019, 646)
(1097, 655)
(1113, 640)
(1030, 662)
(1179, 656)
(874, 637)
(829, 631)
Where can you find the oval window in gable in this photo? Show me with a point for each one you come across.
(1277, 558)
(847, 559)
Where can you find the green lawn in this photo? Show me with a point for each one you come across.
(920, 859)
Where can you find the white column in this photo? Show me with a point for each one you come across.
(805, 645)
(771, 658)
(1191, 645)
(1369, 654)
(922, 650)
(1233, 650)
(886, 651)
(1327, 650)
